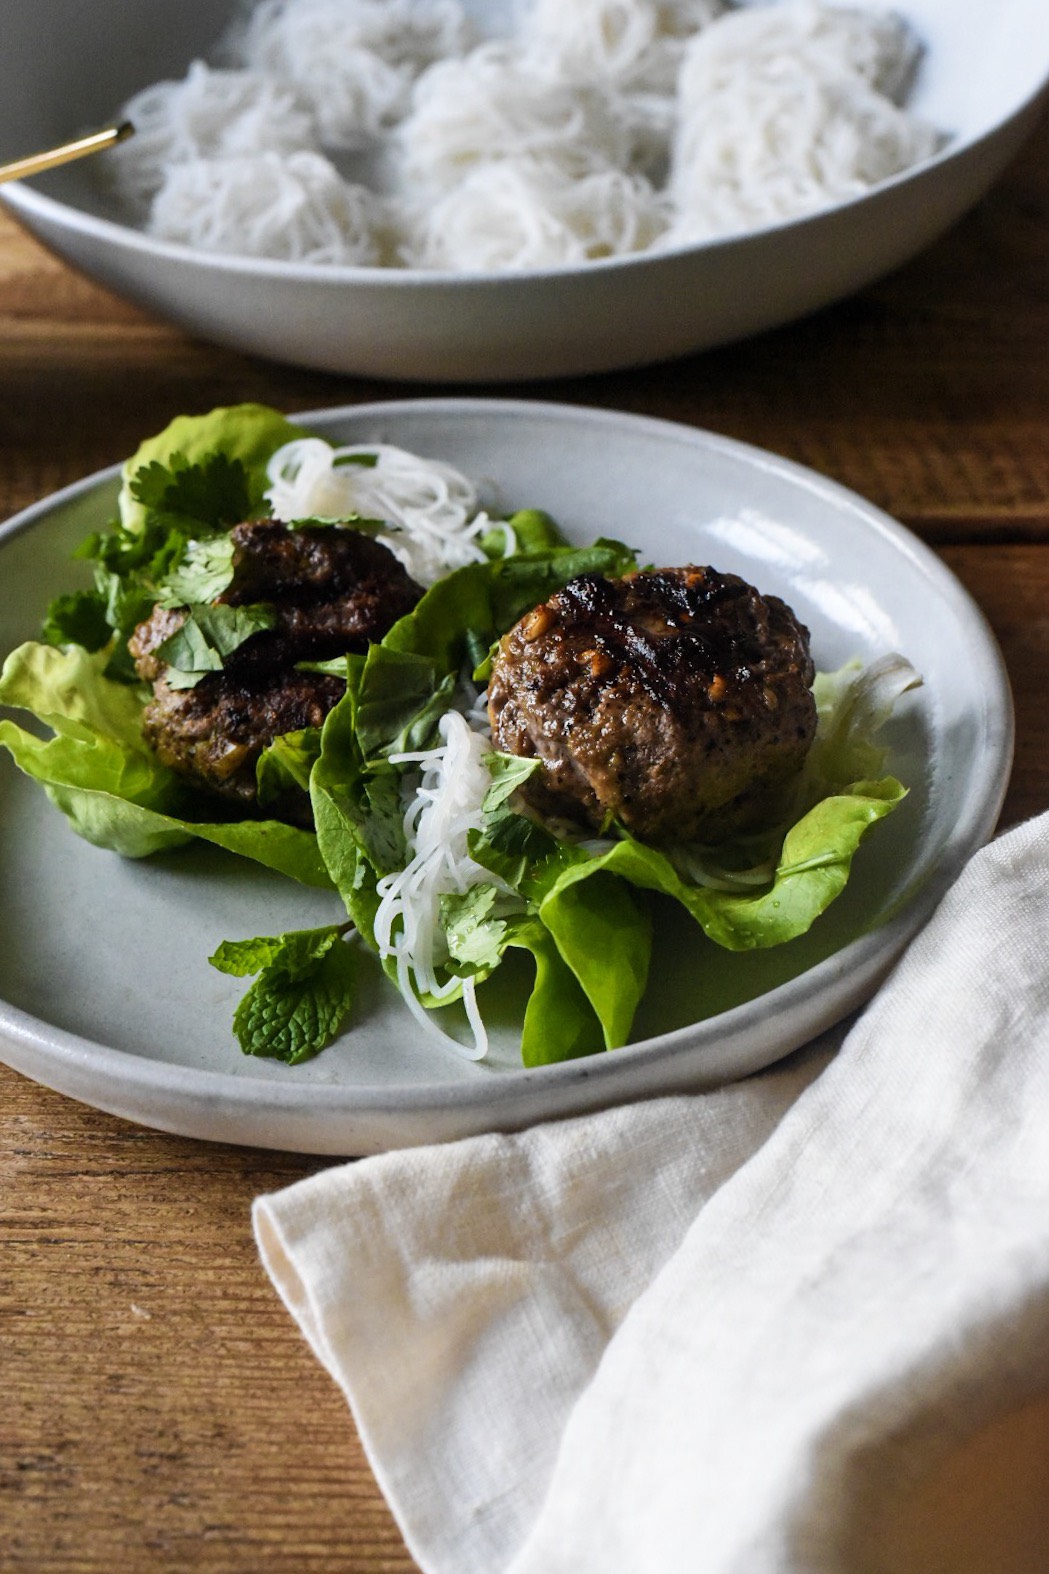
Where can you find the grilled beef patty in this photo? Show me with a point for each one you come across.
(672, 701)
(332, 589)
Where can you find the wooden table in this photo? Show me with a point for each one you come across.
(159, 1410)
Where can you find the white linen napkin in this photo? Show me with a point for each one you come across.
(796, 1326)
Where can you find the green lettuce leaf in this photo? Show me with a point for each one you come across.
(559, 1021)
(247, 433)
(342, 812)
(100, 772)
(853, 705)
(604, 936)
(531, 530)
(284, 767)
(399, 701)
(462, 614)
(811, 871)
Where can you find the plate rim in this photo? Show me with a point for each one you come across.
(846, 977)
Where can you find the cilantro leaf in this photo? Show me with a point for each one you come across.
(249, 433)
(78, 618)
(475, 926)
(214, 492)
(508, 772)
(511, 843)
(302, 995)
(207, 637)
(204, 572)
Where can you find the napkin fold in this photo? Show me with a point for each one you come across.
(799, 1325)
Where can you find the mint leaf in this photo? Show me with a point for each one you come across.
(300, 999)
(242, 958)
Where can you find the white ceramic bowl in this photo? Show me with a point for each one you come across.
(70, 66)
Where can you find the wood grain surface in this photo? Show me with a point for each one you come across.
(159, 1410)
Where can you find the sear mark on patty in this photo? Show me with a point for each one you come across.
(672, 700)
(333, 591)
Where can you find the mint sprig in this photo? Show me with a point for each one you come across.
(303, 993)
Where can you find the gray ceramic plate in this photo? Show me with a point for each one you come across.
(105, 989)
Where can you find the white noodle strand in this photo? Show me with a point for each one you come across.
(778, 119)
(296, 207)
(632, 45)
(512, 215)
(352, 61)
(877, 46)
(597, 129)
(439, 816)
(209, 114)
(430, 510)
(493, 106)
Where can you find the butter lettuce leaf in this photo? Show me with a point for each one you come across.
(559, 1021)
(812, 869)
(461, 615)
(99, 771)
(246, 433)
(604, 935)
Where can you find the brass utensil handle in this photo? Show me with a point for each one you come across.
(36, 163)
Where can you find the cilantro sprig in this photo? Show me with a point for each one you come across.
(178, 553)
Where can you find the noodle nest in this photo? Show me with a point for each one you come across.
(385, 133)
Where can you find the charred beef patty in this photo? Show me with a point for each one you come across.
(332, 591)
(670, 700)
(215, 732)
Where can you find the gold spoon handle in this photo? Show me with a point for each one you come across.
(36, 163)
